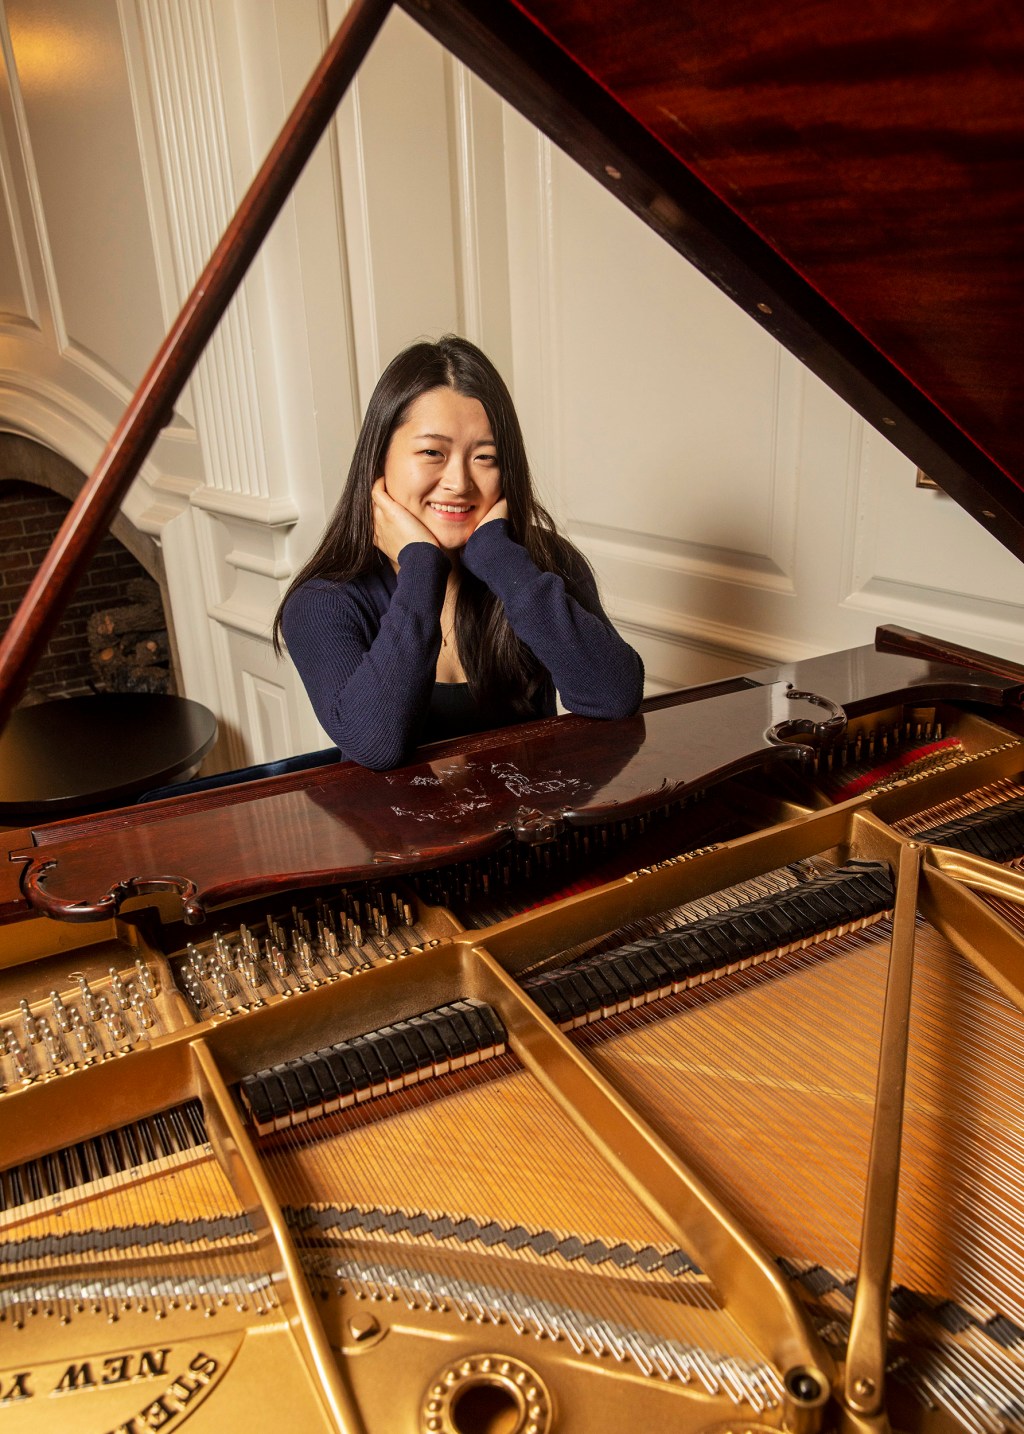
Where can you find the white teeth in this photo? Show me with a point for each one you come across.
(448, 508)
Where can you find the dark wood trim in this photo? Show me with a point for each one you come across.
(906, 643)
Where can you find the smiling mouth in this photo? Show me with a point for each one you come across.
(451, 510)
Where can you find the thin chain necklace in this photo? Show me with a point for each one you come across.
(450, 602)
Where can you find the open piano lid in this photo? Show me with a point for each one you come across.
(853, 176)
(665, 105)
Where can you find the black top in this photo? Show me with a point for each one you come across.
(367, 649)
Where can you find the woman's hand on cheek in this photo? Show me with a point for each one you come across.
(499, 510)
(394, 526)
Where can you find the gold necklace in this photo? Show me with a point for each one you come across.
(451, 605)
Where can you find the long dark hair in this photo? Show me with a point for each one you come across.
(500, 670)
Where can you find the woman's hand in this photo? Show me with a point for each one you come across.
(394, 526)
(499, 510)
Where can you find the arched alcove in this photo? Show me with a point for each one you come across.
(37, 486)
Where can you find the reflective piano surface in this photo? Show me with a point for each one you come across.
(584, 1076)
(590, 1119)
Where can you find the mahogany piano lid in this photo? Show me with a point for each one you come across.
(853, 175)
(464, 798)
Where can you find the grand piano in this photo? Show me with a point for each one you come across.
(578, 1076)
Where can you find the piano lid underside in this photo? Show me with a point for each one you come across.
(851, 176)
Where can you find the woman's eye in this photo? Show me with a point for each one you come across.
(491, 459)
(430, 453)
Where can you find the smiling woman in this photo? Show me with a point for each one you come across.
(441, 600)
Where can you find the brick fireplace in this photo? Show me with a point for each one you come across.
(114, 633)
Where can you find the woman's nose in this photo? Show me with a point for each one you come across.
(457, 477)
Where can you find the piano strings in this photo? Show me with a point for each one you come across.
(470, 1191)
(764, 1081)
(151, 1234)
(492, 1168)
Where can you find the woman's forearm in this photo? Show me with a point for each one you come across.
(370, 688)
(595, 671)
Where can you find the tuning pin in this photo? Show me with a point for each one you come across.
(28, 1022)
(193, 985)
(141, 1011)
(226, 953)
(84, 1034)
(92, 1009)
(53, 1046)
(277, 958)
(60, 1011)
(115, 1024)
(118, 990)
(19, 1058)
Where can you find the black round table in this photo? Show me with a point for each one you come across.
(82, 754)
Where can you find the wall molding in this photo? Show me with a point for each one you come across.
(26, 173)
(745, 646)
(252, 508)
(266, 705)
(29, 317)
(678, 555)
(36, 405)
(467, 227)
(245, 562)
(960, 616)
(179, 46)
(94, 368)
(239, 620)
(358, 243)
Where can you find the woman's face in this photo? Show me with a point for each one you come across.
(442, 465)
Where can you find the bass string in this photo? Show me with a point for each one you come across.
(199, 1192)
(990, 1056)
(733, 1082)
(474, 1148)
(965, 1128)
(126, 1202)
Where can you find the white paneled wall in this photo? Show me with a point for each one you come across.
(736, 512)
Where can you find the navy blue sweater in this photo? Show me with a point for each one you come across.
(367, 650)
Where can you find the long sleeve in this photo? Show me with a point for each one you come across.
(368, 663)
(595, 672)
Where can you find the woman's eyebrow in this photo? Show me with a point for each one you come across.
(444, 438)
